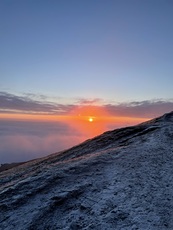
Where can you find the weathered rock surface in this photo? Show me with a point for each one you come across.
(122, 179)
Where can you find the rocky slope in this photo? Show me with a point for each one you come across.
(122, 179)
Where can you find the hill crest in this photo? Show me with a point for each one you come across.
(121, 179)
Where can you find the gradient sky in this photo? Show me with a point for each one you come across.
(64, 59)
(117, 50)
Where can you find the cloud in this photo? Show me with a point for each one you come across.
(148, 109)
(95, 101)
(26, 140)
(10, 103)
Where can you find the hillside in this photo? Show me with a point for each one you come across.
(122, 179)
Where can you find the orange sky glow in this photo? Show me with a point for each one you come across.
(32, 135)
(91, 120)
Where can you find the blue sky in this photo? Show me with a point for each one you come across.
(117, 50)
(64, 59)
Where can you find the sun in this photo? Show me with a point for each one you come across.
(90, 119)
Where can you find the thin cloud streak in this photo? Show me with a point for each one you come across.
(145, 109)
(12, 104)
(95, 101)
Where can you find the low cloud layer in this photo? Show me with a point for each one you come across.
(26, 140)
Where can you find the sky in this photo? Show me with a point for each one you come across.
(64, 62)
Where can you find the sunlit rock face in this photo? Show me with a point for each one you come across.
(122, 179)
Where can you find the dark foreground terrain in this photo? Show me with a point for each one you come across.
(4, 167)
(122, 179)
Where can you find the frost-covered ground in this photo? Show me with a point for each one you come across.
(122, 179)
